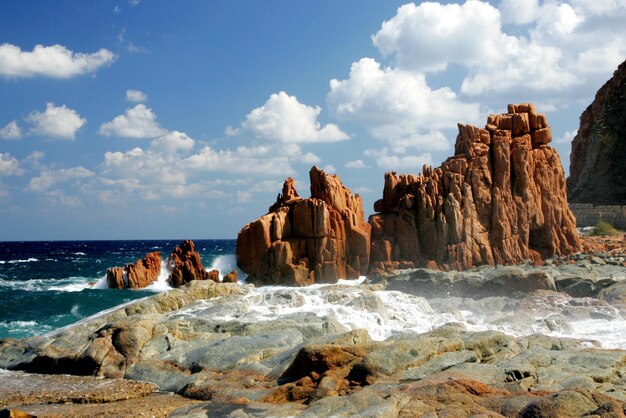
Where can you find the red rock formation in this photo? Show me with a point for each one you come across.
(136, 276)
(230, 277)
(500, 199)
(186, 265)
(305, 241)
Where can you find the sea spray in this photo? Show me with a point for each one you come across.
(40, 282)
(225, 264)
(161, 284)
(386, 313)
(52, 292)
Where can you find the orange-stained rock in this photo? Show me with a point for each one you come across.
(500, 199)
(186, 265)
(115, 278)
(306, 241)
(230, 277)
(135, 276)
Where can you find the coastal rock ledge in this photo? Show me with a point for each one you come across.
(501, 199)
(305, 241)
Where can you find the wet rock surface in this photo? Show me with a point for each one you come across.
(379, 348)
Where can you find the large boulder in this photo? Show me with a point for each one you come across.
(500, 199)
(304, 241)
(186, 265)
(135, 276)
(598, 158)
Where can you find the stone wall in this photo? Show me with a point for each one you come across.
(588, 214)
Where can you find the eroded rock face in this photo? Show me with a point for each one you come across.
(500, 199)
(305, 241)
(598, 158)
(186, 265)
(135, 276)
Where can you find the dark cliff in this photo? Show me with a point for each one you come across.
(598, 158)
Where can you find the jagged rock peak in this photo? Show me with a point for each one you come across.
(186, 265)
(288, 195)
(500, 199)
(135, 276)
(304, 241)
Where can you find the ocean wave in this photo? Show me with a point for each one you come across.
(20, 329)
(385, 313)
(25, 326)
(79, 253)
(225, 264)
(27, 260)
(160, 285)
(70, 284)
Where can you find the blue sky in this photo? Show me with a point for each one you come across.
(158, 119)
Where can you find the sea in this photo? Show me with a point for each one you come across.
(47, 285)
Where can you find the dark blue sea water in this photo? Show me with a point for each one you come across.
(46, 285)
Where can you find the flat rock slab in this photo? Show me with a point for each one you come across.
(155, 405)
(44, 395)
(19, 388)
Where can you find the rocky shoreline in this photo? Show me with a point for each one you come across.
(207, 347)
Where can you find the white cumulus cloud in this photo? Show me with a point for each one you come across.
(409, 162)
(566, 48)
(519, 12)
(136, 96)
(49, 177)
(355, 164)
(397, 105)
(283, 118)
(139, 166)
(138, 122)
(50, 61)
(430, 36)
(11, 131)
(241, 161)
(9, 165)
(56, 122)
(173, 142)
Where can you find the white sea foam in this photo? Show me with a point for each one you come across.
(161, 284)
(385, 313)
(27, 260)
(70, 284)
(225, 264)
(101, 283)
(23, 326)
